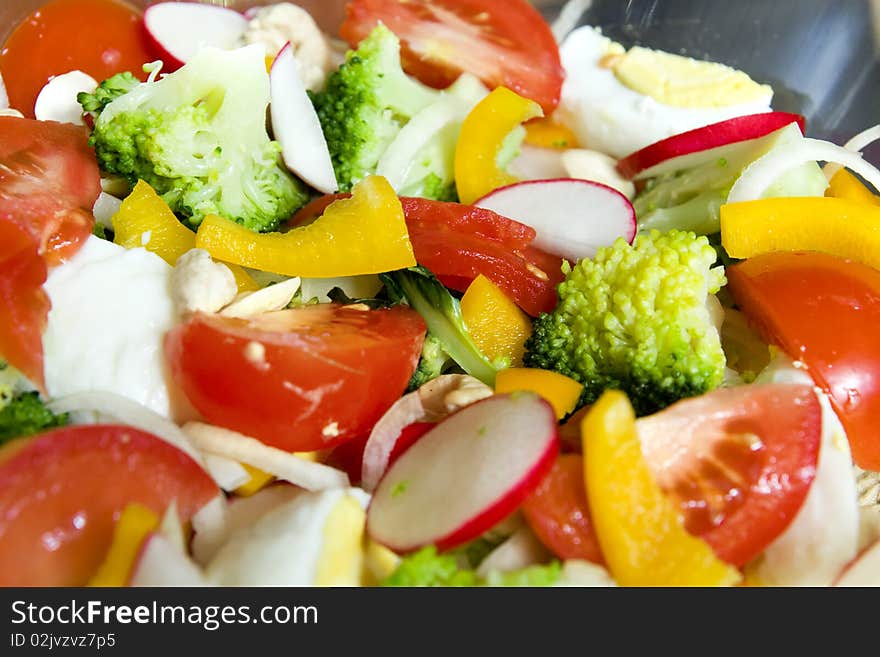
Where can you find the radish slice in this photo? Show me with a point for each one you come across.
(764, 171)
(856, 144)
(210, 527)
(573, 218)
(466, 475)
(864, 570)
(286, 466)
(297, 127)
(161, 564)
(172, 528)
(430, 403)
(180, 29)
(57, 100)
(703, 145)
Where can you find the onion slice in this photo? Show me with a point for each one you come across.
(281, 464)
(764, 171)
(856, 144)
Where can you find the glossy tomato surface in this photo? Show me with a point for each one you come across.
(558, 513)
(49, 181)
(825, 312)
(459, 242)
(503, 42)
(299, 379)
(61, 493)
(99, 37)
(739, 461)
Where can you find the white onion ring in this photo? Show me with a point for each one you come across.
(857, 144)
(764, 171)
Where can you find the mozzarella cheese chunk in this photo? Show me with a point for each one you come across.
(609, 116)
(111, 308)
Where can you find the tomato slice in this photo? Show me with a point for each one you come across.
(61, 493)
(460, 242)
(740, 462)
(503, 42)
(824, 311)
(300, 379)
(98, 37)
(558, 513)
(49, 180)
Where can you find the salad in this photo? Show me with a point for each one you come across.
(446, 297)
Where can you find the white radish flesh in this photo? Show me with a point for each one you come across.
(181, 29)
(57, 100)
(465, 475)
(297, 127)
(572, 218)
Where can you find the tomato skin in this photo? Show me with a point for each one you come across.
(49, 181)
(824, 311)
(302, 379)
(62, 491)
(558, 512)
(503, 42)
(459, 242)
(98, 37)
(740, 462)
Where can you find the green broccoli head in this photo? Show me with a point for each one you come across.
(108, 91)
(366, 103)
(198, 137)
(25, 415)
(637, 318)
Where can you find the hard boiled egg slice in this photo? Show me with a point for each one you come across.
(618, 102)
(111, 308)
(315, 539)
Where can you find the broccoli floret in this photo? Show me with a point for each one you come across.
(427, 568)
(198, 137)
(366, 103)
(442, 313)
(638, 319)
(108, 91)
(25, 415)
(432, 363)
(438, 189)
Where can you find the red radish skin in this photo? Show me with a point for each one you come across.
(466, 475)
(647, 162)
(177, 30)
(572, 217)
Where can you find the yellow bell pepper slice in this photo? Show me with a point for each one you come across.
(561, 391)
(640, 530)
(145, 220)
(379, 563)
(364, 234)
(831, 225)
(482, 135)
(258, 481)
(547, 133)
(845, 185)
(135, 524)
(495, 323)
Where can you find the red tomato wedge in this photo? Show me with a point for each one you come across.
(739, 461)
(558, 513)
(24, 306)
(300, 379)
(503, 42)
(49, 181)
(824, 311)
(98, 37)
(61, 493)
(458, 242)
